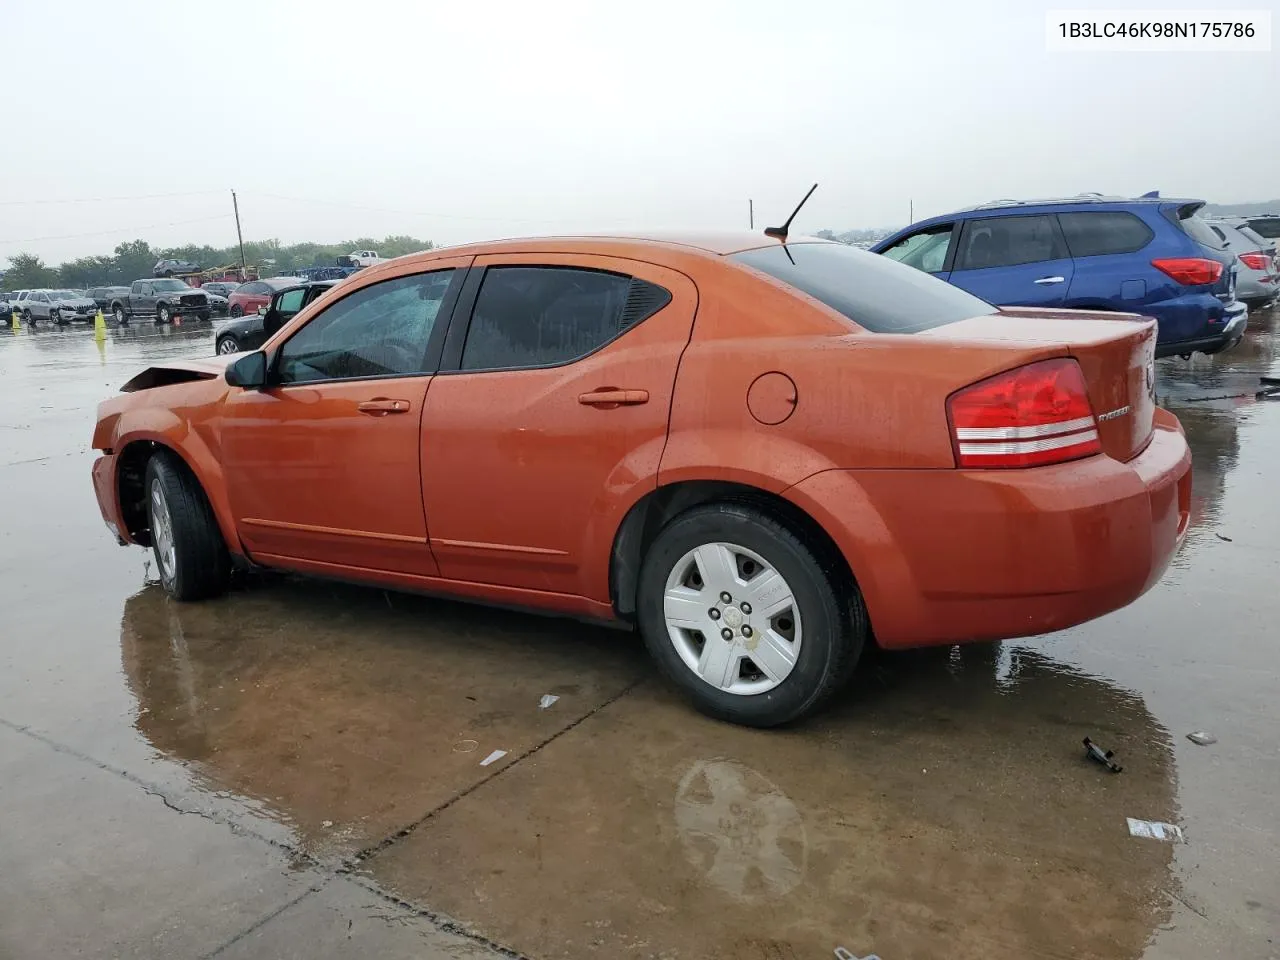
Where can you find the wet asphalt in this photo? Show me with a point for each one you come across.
(295, 770)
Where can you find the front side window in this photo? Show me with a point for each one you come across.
(544, 316)
(1008, 241)
(1094, 234)
(170, 286)
(289, 302)
(381, 330)
(926, 250)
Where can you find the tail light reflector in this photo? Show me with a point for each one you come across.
(1255, 261)
(1190, 271)
(1028, 417)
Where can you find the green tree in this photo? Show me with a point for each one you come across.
(134, 261)
(27, 272)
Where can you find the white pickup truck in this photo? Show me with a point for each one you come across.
(362, 258)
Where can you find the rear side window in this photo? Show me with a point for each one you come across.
(1253, 236)
(1096, 234)
(544, 316)
(1008, 241)
(873, 291)
(926, 250)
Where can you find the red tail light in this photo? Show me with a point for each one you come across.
(1190, 271)
(1029, 417)
(1255, 261)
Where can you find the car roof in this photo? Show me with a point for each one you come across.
(1080, 198)
(706, 242)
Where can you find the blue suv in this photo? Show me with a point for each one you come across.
(1148, 255)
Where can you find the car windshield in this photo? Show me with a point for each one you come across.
(63, 295)
(168, 285)
(874, 292)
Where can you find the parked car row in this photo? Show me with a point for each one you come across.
(53, 305)
(250, 331)
(1149, 255)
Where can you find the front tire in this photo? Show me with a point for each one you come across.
(190, 553)
(781, 644)
(228, 344)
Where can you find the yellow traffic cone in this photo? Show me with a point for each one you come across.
(17, 322)
(100, 327)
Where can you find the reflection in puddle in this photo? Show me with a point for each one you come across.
(741, 830)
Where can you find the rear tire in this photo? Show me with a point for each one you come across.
(236, 310)
(162, 314)
(190, 553)
(822, 633)
(122, 318)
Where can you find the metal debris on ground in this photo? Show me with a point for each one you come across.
(1202, 737)
(547, 700)
(843, 954)
(1154, 830)
(1106, 758)
(496, 755)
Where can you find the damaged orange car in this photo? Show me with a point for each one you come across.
(766, 453)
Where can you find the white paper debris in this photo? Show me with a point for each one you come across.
(1202, 737)
(327, 824)
(547, 700)
(1155, 831)
(496, 755)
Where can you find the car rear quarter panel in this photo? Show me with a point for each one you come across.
(185, 418)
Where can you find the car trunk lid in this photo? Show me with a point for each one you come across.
(1116, 354)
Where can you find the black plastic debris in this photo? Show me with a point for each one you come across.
(1221, 537)
(1202, 737)
(1270, 388)
(1095, 752)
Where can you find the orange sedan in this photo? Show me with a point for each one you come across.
(766, 453)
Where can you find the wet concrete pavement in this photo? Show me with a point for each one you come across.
(295, 769)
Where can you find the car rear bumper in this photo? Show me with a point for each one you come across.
(1214, 337)
(951, 556)
(104, 487)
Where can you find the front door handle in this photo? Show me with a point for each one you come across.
(612, 397)
(381, 407)
(1052, 280)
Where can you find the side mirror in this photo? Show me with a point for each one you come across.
(250, 371)
(262, 311)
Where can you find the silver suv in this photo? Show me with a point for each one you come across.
(57, 306)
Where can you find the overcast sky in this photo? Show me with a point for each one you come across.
(456, 122)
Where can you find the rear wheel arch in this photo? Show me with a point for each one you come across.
(649, 515)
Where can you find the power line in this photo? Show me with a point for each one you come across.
(119, 230)
(144, 196)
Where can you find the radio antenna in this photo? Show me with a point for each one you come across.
(781, 232)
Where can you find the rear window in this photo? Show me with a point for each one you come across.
(1268, 227)
(876, 293)
(1196, 228)
(1094, 234)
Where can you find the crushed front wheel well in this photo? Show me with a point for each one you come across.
(651, 513)
(131, 484)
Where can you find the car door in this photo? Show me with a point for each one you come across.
(143, 298)
(550, 411)
(1014, 260)
(931, 249)
(40, 305)
(322, 465)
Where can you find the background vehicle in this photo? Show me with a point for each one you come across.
(221, 288)
(248, 297)
(757, 490)
(1258, 279)
(218, 306)
(56, 306)
(1148, 255)
(167, 268)
(251, 331)
(361, 258)
(163, 298)
(102, 296)
(6, 308)
(16, 301)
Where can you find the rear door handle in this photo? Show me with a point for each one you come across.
(612, 397)
(1052, 280)
(381, 407)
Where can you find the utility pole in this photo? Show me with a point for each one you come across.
(751, 214)
(235, 205)
(911, 211)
